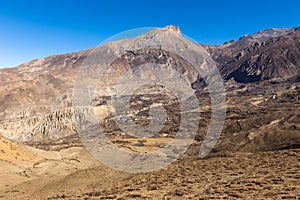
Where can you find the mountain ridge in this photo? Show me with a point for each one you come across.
(38, 95)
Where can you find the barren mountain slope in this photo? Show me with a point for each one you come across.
(276, 59)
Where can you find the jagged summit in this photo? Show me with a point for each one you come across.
(172, 28)
(163, 32)
(225, 52)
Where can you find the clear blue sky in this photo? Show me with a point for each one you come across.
(33, 29)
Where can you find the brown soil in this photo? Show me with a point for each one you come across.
(224, 175)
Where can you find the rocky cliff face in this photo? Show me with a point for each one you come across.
(26, 127)
(36, 100)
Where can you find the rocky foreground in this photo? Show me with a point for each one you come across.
(71, 173)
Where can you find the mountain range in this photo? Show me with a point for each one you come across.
(36, 103)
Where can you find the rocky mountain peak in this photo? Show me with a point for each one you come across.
(172, 28)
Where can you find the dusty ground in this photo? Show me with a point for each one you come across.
(72, 174)
(25, 169)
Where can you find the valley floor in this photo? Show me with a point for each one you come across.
(73, 174)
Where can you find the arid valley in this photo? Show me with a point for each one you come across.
(257, 155)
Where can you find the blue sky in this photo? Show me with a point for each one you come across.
(33, 29)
